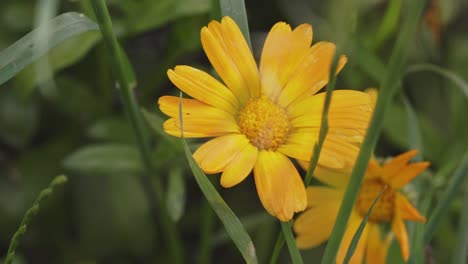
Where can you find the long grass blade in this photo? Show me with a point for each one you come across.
(230, 221)
(461, 248)
(449, 75)
(34, 210)
(442, 206)
(357, 235)
(236, 10)
(25, 51)
(389, 85)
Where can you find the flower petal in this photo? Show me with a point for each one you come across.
(407, 211)
(314, 226)
(377, 247)
(240, 166)
(279, 185)
(407, 174)
(231, 57)
(203, 87)
(399, 229)
(334, 177)
(312, 73)
(353, 224)
(216, 154)
(199, 127)
(397, 163)
(319, 195)
(282, 52)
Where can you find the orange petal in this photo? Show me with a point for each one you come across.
(203, 87)
(314, 226)
(407, 174)
(312, 73)
(374, 170)
(396, 164)
(199, 127)
(353, 224)
(377, 247)
(407, 211)
(279, 185)
(399, 229)
(282, 52)
(240, 166)
(231, 57)
(216, 154)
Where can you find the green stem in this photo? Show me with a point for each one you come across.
(443, 206)
(291, 242)
(206, 233)
(57, 181)
(277, 249)
(389, 85)
(389, 23)
(461, 250)
(154, 193)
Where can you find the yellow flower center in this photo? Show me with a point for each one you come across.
(264, 123)
(383, 209)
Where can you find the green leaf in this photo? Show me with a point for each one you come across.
(24, 52)
(156, 123)
(175, 200)
(236, 10)
(357, 235)
(111, 129)
(105, 159)
(144, 15)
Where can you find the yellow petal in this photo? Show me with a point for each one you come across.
(312, 73)
(396, 164)
(231, 57)
(353, 224)
(199, 128)
(407, 211)
(279, 185)
(377, 247)
(216, 154)
(318, 195)
(334, 177)
(314, 226)
(399, 229)
(342, 154)
(169, 105)
(282, 52)
(407, 174)
(203, 87)
(240, 166)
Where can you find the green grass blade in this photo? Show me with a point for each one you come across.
(277, 249)
(461, 250)
(389, 23)
(24, 52)
(357, 235)
(236, 10)
(232, 224)
(230, 221)
(389, 85)
(291, 242)
(57, 181)
(441, 209)
(449, 75)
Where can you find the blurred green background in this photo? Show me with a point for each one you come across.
(63, 114)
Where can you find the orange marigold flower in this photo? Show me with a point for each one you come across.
(314, 226)
(261, 116)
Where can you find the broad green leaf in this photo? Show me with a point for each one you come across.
(144, 15)
(354, 242)
(24, 52)
(61, 56)
(105, 159)
(175, 200)
(112, 129)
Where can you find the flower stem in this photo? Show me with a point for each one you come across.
(153, 193)
(277, 249)
(291, 242)
(389, 85)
